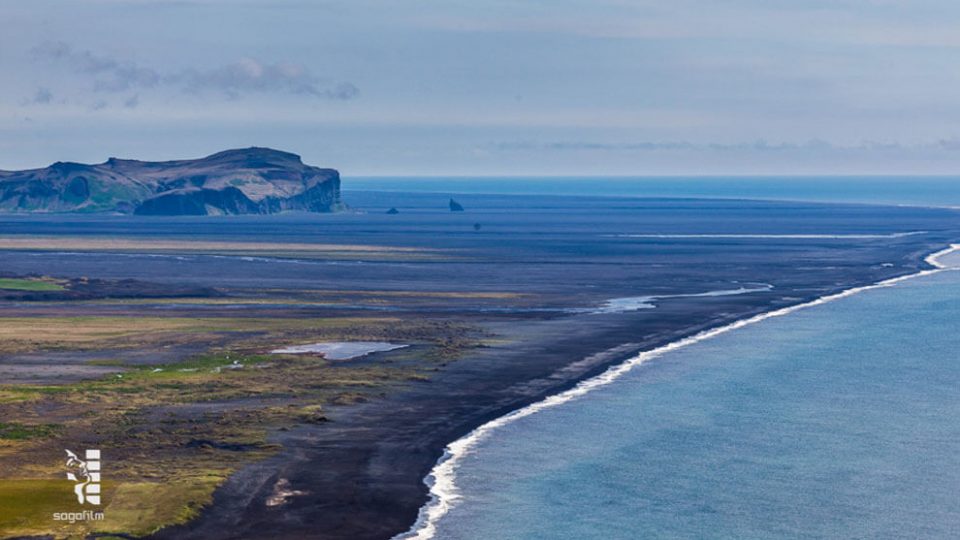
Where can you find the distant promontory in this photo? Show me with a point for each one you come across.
(242, 181)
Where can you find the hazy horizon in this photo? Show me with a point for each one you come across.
(610, 88)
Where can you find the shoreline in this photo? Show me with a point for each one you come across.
(509, 301)
(361, 475)
(441, 481)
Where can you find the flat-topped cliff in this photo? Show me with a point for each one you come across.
(242, 181)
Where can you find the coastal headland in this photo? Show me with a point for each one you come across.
(240, 181)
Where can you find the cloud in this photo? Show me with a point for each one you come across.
(110, 75)
(43, 96)
(761, 145)
(949, 144)
(249, 75)
(246, 76)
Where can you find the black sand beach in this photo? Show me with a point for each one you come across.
(359, 472)
(362, 474)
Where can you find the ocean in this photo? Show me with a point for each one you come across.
(840, 420)
(892, 190)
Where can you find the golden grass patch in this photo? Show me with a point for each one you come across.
(141, 508)
(27, 506)
(18, 334)
(41, 330)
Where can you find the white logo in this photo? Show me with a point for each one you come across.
(86, 474)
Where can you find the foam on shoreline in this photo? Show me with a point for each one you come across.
(934, 258)
(442, 479)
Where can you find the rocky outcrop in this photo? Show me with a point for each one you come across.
(244, 181)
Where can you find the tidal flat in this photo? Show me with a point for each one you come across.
(151, 340)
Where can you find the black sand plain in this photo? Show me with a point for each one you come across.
(359, 474)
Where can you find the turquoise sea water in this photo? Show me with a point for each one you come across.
(836, 421)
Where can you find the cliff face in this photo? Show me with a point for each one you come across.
(246, 181)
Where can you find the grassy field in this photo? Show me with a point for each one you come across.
(134, 508)
(13, 284)
(18, 431)
(174, 431)
(24, 334)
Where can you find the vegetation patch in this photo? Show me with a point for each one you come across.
(141, 508)
(133, 508)
(38, 285)
(173, 431)
(28, 505)
(18, 432)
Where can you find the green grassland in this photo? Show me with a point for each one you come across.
(175, 431)
(18, 431)
(40, 285)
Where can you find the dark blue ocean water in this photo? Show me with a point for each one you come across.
(895, 190)
(837, 421)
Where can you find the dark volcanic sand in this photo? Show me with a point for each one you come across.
(362, 472)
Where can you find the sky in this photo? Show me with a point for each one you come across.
(489, 87)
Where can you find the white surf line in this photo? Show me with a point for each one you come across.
(444, 494)
(777, 236)
(934, 259)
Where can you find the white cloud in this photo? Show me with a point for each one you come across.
(108, 75)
